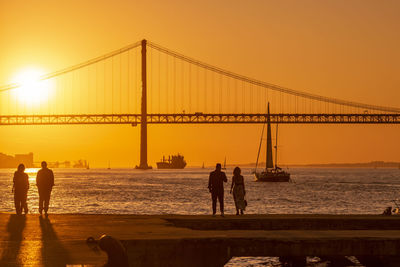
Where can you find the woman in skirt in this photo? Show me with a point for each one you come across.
(239, 192)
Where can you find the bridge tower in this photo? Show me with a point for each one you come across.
(143, 125)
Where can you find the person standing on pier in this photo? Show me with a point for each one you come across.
(20, 189)
(239, 192)
(45, 183)
(216, 188)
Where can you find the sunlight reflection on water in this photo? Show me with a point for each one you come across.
(127, 191)
(32, 174)
(334, 191)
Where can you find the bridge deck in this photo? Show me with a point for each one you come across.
(155, 240)
(201, 118)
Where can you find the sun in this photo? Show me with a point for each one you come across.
(32, 89)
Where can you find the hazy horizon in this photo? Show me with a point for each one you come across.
(113, 164)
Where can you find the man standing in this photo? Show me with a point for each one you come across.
(45, 183)
(216, 188)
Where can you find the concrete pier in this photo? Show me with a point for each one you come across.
(175, 240)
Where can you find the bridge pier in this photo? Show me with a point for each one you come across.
(143, 124)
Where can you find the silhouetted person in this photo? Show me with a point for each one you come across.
(116, 252)
(239, 192)
(216, 188)
(20, 189)
(45, 183)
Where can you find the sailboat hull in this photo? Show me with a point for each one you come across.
(269, 176)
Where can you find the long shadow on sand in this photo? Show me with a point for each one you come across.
(15, 228)
(53, 252)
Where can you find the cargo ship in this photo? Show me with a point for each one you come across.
(173, 162)
(81, 164)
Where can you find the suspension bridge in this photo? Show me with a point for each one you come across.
(146, 83)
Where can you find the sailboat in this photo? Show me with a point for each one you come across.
(224, 167)
(271, 173)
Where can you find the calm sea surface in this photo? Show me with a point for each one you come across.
(127, 191)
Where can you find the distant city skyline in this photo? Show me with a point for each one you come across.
(9, 161)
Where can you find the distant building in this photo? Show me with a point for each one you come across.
(26, 159)
(7, 161)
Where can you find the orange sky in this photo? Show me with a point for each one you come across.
(342, 49)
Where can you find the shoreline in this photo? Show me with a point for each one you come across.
(60, 239)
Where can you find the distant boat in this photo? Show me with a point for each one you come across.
(81, 164)
(271, 173)
(173, 162)
(109, 168)
(203, 166)
(224, 167)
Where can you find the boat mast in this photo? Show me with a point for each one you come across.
(259, 147)
(269, 161)
(276, 147)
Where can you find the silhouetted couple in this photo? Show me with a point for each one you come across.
(44, 183)
(216, 188)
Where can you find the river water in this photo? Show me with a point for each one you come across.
(127, 191)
